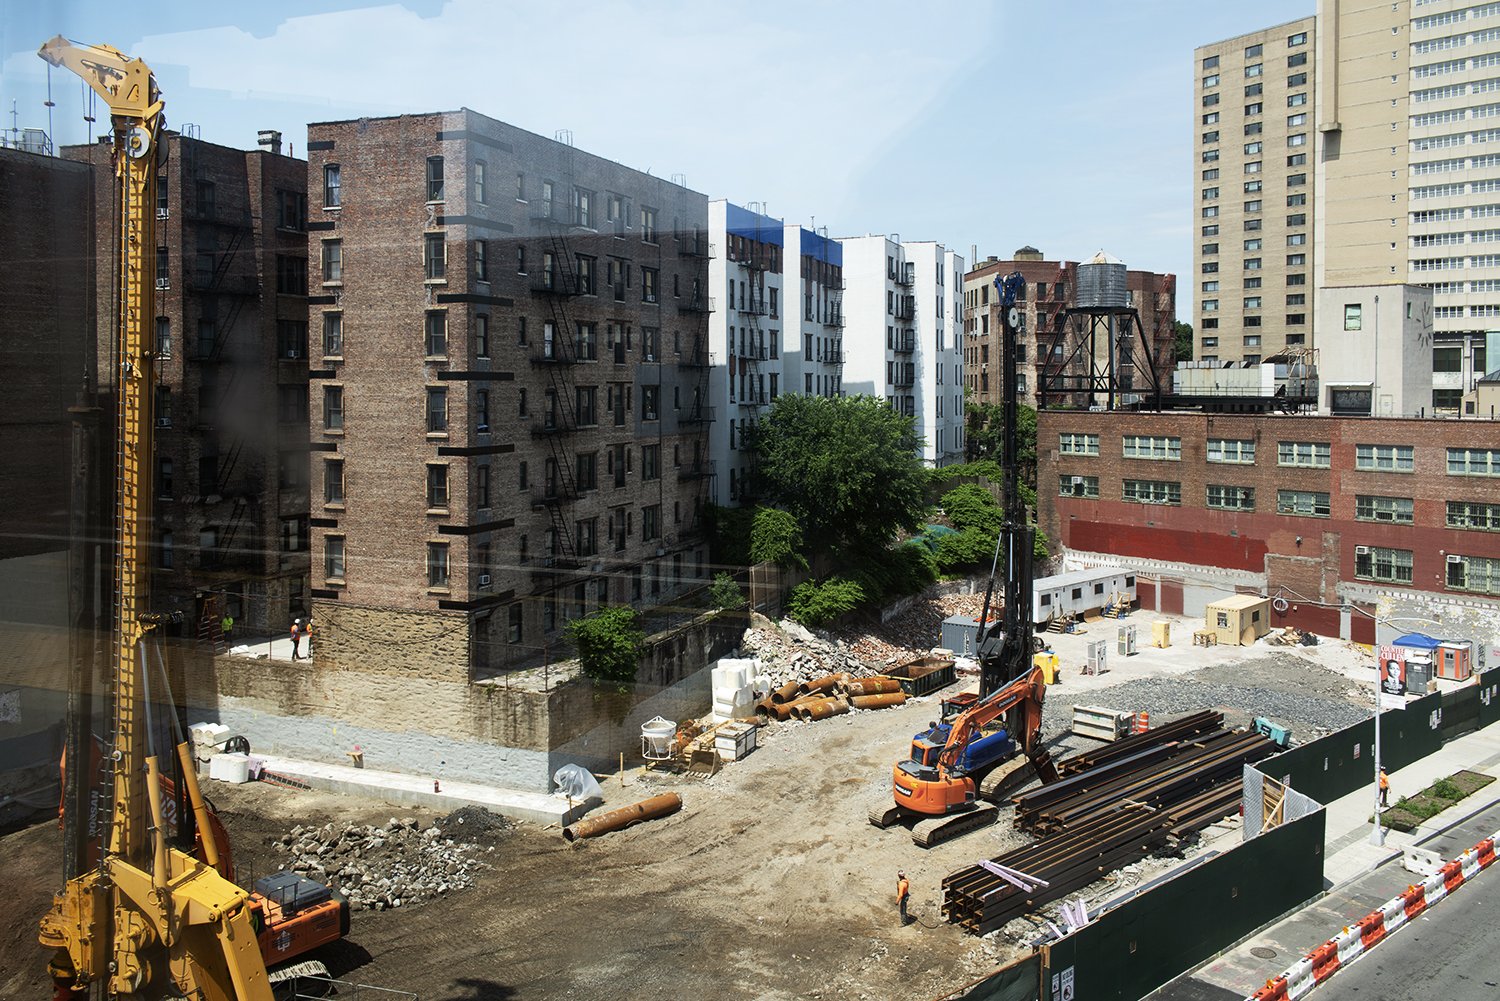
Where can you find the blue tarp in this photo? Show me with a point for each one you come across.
(752, 225)
(1418, 641)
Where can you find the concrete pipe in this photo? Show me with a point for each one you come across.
(872, 686)
(884, 700)
(825, 684)
(817, 709)
(647, 809)
(786, 693)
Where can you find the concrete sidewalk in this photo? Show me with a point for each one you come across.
(1359, 876)
(417, 790)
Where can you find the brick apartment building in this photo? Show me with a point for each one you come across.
(1324, 511)
(1051, 289)
(231, 337)
(511, 334)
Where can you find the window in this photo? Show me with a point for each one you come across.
(1078, 444)
(437, 564)
(1252, 245)
(291, 210)
(1296, 180)
(649, 402)
(1384, 458)
(1212, 80)
(1297, 219)
(1252, 149)
(650, 284)
(1252, 263)
(1376, 563)
(1209, 156)
(1300, 38)
(1078, 486)
(434, 178)
(1299, 59)
(333, 408)
(1252, 302)
(1231, 450)
(1447, 359)
(1293, 121)
(333, 261)
(437, 410)
(1474, 515)
(333, 334)
(1253, 129)
(1254, 108)
(1210, 193)
(294, 535)
(479, 179)
(650, 462)
(333, 481)
(435, 342)
(513, 623)
(587, 275)
(586, 536)
(586, 471)
(331, 186)
(1296, 100)
(1254, 70)
(481, 261)
(481, 410)
(1149, 447)
(437, 485)
(291, 273)
(1353, 316)
(586, 399)
(1395, 510)
(1297, 80)
(1254, 90)
(482, 487)
(1296, 240)
(435, 257)
(1211, 63)
(1303, 503)
(583, 207)
(1473, 462)
(1312, 454)
(1209, 100)
(648, 225)
(1474, 573)
(1296, 260)
(333, 557)
(1231, 498)
(650, 522)
(482, 334)
(1152, 492)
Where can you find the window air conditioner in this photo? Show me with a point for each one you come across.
(1454, 558)
(1078, 481)
(484, 580)
(1361, 550)
(163, 283)
(162, 213)
(164, 422)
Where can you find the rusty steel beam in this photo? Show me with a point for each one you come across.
(879, 685)
(816, 709)
(885, 701)
(615, 820)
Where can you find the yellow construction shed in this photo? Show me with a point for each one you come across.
(1239, 620)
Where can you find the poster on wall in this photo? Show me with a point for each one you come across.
(1393, 676)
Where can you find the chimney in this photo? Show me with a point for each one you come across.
(269, 139)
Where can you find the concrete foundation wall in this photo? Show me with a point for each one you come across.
(511, 736)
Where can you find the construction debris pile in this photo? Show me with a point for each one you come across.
(914, 631)
(1292, 636)
(1141, 795)
(789, 654)
(396, 864)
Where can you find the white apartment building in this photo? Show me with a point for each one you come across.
(903, 308)
(746, 331)
(812, 347)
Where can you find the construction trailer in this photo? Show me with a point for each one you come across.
(1081, 592)
(1238, 620)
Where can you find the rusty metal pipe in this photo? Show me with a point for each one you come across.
(878, 685)
(615, 820)
(827, 683)
(786, 693)
(816, 709)
(885, 700)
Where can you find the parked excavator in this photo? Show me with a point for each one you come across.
(139, 916)
(954, 763)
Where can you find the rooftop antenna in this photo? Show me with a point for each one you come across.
(49, 102)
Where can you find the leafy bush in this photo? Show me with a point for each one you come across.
(969, 548)
(725, 593)
(812, 603)
(971, 506)
(609, 645)
(1446, 789)
(931, 536)
(892, 573)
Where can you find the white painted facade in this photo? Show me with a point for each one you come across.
(813, 322)
(903, 307)
(746, 334)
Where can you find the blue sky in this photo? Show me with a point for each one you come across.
(1066, 125)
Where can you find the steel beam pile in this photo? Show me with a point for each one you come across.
(1134, 798)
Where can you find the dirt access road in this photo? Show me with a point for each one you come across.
(770, 883)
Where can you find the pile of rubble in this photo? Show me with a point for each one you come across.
(396, 864)
(790, 653)
(916, 630)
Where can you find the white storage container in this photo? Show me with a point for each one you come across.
(734, 740)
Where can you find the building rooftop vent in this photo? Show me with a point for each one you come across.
(1028, 253)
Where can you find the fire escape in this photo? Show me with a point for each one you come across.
(696, 364)
(903, 368)
(833, 321)
(222, 292)
(556, 353)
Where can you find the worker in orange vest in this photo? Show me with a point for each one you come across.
(903, 890)
(1385, 788)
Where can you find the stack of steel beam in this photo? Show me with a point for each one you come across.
(1179, 729)
(1124, 806)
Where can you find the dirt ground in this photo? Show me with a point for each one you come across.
(770, 882)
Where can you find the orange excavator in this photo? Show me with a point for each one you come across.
(960, 763)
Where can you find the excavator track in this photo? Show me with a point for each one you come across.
(935, 830)
(885, 816)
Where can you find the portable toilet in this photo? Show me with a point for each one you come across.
(1454, 660)
(1419, 652)
(1238, 620)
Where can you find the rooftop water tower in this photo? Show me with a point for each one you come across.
(1100, 359)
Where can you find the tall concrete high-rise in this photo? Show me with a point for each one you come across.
(1254, 193)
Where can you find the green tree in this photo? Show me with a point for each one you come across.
(609, 645)
(1182, 341)
(845, 467)
(969, 505)
(725, 593)
(987, 441)
(775, 537)
(812, 603)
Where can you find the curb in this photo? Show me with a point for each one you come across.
(1358, 938)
